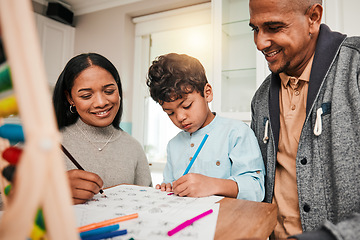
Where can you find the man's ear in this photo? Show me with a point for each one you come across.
(68, 97)
(315, 15)
(208, 93)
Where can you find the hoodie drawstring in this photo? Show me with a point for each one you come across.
(266, 136)
(318, 122)
(322, 111)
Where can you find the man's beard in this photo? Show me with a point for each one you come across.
(281, 69)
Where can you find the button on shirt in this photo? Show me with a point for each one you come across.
(230, 152)
(292, 99)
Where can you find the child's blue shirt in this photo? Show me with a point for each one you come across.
(230, 152)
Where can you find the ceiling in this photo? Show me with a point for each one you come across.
(80, 7)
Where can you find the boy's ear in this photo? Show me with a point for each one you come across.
(208, 93)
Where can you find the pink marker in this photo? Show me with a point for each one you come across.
(188, 222)
(170, 193)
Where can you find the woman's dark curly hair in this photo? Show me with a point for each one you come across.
(173, 75)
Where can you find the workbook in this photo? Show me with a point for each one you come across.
(159, 212)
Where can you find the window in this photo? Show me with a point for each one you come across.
(185, 31)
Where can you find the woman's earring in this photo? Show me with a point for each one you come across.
(72, 109)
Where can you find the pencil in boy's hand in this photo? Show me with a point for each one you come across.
(196, 154)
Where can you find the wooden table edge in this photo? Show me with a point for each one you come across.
(264, 215)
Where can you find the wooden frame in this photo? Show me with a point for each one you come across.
(40, 179)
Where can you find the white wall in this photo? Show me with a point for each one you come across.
(351, 21)
(111, 33)
(343, 16)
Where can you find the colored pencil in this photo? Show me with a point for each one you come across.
(97, 231)
(189, 222)
(106, 235)
(196, 154)
(107, 222)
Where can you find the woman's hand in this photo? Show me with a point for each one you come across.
(83, 185)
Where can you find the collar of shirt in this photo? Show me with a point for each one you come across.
(205, 129)
(305, 76)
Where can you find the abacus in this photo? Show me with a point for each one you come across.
(39, 185)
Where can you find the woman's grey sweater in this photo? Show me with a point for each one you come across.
(122, 159)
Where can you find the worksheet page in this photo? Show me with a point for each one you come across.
(159, 212)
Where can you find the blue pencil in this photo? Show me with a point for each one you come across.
(106, 235)
(196, 154)
(96, 231)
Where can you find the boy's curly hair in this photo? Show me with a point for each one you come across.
(173, 75)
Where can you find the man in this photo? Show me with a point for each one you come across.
(306, 116)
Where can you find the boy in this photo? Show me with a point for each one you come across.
(230, 162)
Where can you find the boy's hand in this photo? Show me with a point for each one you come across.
(83, 185)
(193, 185)
(164, 187)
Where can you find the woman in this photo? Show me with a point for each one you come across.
(88, 106)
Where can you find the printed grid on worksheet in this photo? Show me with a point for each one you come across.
(158, 212)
